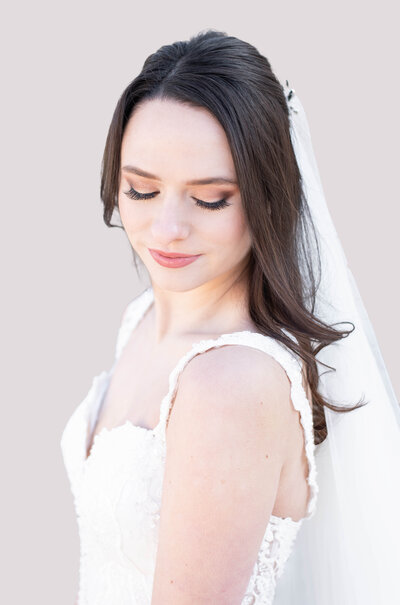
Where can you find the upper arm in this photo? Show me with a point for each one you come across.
(225, 452)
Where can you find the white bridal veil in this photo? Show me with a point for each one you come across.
(348, 553)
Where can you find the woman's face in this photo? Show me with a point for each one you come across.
(179, 158)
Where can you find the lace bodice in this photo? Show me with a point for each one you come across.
(117, 489)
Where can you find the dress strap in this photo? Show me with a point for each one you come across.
(134, 312)
(293, 368)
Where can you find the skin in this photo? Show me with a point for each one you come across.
(178, 144)
(233, 445)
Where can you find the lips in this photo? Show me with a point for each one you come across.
(172, 259)
(172, 254)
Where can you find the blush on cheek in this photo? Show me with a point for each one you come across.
(234, 231)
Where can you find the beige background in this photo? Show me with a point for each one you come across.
(67, 277)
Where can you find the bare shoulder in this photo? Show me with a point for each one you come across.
(234, 379)
(229, 397)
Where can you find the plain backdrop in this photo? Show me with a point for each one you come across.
(67, 277)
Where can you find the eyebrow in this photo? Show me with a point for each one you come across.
(215, 180)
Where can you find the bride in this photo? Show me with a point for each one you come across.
(244, 446)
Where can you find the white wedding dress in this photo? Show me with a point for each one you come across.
(117, 488)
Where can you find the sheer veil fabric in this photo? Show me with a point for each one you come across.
(348, 553)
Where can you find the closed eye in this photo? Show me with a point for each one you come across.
(135, 195)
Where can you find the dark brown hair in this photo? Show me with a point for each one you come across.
(233, 81)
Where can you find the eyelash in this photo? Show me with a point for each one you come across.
(135, 195)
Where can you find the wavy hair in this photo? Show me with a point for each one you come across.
(235, 83)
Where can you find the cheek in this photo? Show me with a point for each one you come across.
(131, 219)
(229, 237)
(232, 230)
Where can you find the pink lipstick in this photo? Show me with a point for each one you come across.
(172, 259)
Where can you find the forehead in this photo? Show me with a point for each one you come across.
(164, 135)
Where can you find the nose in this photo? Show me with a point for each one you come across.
(170, 221)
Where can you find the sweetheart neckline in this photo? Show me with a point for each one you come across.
(106, 430)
